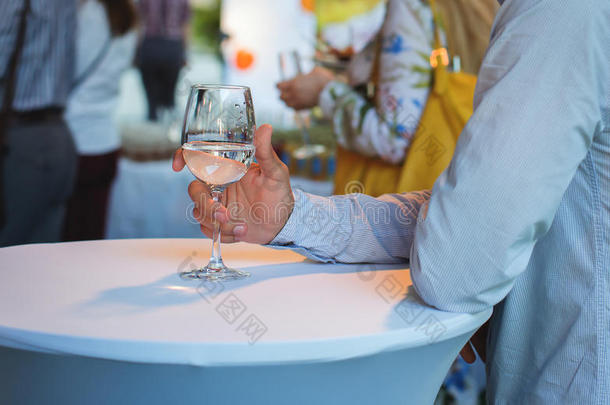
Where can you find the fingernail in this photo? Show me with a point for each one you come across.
(239, 230)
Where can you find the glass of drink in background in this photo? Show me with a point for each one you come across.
(290, 67)
(217, 138)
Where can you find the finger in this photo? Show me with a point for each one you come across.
(198, 191)
(212, 213)
(284, 85)
(237, 229)
(479, 341)
(468, 353)
(205, 207)
(290, 102)
(287, 98)
(204, 217)
(206, 231)
(266, 157)
(195, 189)
(178, 162)
(235, 208)
(225, 237)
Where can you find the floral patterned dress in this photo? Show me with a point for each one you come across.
(384, 127)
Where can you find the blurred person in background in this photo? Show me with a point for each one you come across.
(161, 53)
(38, 157)
(396, 65)
(105, 48)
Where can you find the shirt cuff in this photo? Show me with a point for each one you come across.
(291, 230)
(329, 95)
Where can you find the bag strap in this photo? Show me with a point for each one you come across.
(9, 97)
(439, 57)
(93, 65)
(436, 23)
(373, 83)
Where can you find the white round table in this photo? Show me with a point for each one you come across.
(111, 322)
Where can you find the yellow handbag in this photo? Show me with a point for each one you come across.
(356, 173)
(448, 108)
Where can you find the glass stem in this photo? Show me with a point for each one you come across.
(216, 259)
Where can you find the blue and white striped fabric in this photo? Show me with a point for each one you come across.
(521, 218)
(45, 70)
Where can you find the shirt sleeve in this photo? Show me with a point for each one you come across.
(537, 108)
(385, 128)
(354, 228)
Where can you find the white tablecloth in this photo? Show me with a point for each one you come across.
(123, 300)
(149, 200)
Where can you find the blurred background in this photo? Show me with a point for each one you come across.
(229, 42)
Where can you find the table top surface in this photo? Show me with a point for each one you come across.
(124, 300)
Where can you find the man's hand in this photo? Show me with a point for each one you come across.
(478, 341)
(257, 207)
(304, 90)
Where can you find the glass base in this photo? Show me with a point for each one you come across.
(215, 272)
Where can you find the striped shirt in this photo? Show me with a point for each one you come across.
(45, 69)
(520, 220)
(164, 18)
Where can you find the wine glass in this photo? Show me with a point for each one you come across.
(217, 137)
(290, 67)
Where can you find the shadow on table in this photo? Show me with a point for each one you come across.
(207, 289)
(172, 290)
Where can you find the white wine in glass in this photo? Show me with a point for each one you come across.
(218, 164)
(217, 147)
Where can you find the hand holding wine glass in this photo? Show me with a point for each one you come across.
(258, 205)
(217, 147)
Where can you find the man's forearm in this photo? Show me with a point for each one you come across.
(353, 228)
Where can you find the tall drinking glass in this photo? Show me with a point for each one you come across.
(217, 138)
(290, 67)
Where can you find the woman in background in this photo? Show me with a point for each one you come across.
(105, 49)
(161, 54)
(396, 64)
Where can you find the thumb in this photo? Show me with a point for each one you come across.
(266, 157)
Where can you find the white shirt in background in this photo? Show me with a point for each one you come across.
(90, 108)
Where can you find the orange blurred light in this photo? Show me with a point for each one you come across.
(308, 5)
(244, 59)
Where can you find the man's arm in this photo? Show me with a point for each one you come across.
(537, 108)
(261, 208)
(354, 228)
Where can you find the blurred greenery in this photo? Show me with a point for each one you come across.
(318, 134)
(205, 27)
